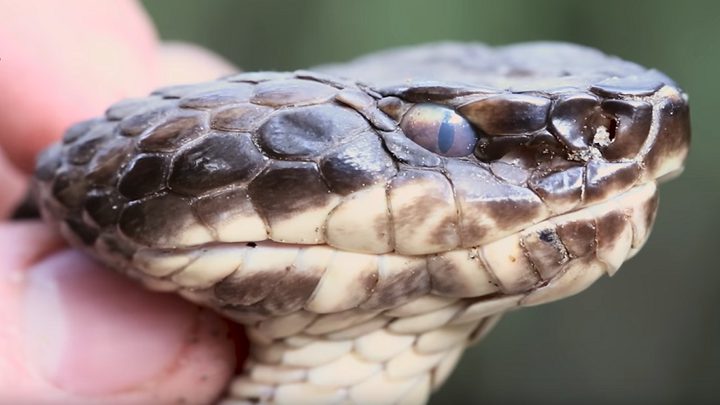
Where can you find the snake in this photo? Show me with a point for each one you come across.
(367, 221)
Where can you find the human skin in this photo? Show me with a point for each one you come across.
(71, 331)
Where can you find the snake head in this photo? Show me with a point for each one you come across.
(466, 158)
(464, 182)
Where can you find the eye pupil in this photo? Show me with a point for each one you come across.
(439, 129)
(446, 134)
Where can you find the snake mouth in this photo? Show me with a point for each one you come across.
(557, 257)
(566, 253)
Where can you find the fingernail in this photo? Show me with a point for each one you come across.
(90, 331)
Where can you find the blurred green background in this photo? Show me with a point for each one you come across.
(649, 335)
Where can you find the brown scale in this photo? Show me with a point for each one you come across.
(214, 161)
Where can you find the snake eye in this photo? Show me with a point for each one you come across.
(439, 130)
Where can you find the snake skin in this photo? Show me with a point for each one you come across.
(361, 263)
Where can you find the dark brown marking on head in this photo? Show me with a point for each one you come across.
(605, 179)
(366, 105)
(143, 175)
(69, 187)
(157, 221)
(635, 85)
(217, 160)
(241, 288)
(489, 149)
(393, 107)
(321, 77)
(445, 278)
(103, 207)
(673, 138)
(216, 208)
(508, 113)
(482, 197)
(609, 228)
(107, 164)
(521, 207)
(232, 94)
(407, 151)
(279, 93)
(528, 151)
(287, 188)
(398, 288)
(560, 189)
(357, 165)
(413, 213)
(241, 118)
(574, 118)
(292, 292)
(135, 124)
(472, 230)
(428, 91)
(85, 147)
(409, 215)
(309, 131)
(177, 130)
(542, 149)
(446, 231)
(246, 313)
(578, 236)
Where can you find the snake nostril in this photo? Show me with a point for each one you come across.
(612, 129)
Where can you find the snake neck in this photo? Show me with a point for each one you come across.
(356, 357)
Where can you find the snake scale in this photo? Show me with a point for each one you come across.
(368, 221)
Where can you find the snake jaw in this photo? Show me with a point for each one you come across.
(298, 204)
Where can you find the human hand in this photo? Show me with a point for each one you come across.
(71, 332)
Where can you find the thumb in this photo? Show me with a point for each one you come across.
(75, 333)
